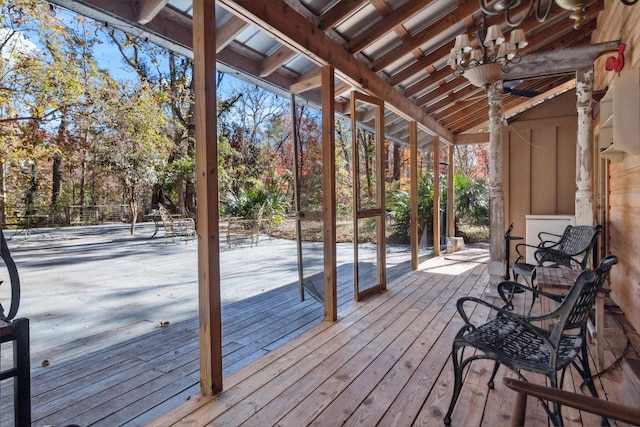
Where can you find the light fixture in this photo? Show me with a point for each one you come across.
(484, 64)
(541, 9)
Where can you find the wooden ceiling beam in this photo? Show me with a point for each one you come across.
(561, 61)
(148, 9)
(443, 110)
(228, 31)
(422, 63)
(471, 138)
(342, 87)
(460, 87)
(465, 9)
(309, 82)
(169, 28)
(274, 61)
(280, 20)
(387, 24)
(337, 13)
(428, 81)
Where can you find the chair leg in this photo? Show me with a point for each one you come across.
(493, 375)
(458, 367)
(555, 416)
(585, 372)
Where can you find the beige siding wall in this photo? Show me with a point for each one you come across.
(539, 162)
(618, 22)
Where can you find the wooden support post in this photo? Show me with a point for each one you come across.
(436, 195)
(451, 217)
(496, 192)
(329, 194)
(413, 170)
(210, 323)
(584, 165)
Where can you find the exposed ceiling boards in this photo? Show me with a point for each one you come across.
(393, 49)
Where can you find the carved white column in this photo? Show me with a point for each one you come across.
(496, 192)
(584, 165)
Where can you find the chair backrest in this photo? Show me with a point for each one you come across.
(5, 254)
(575, 246)
(164, 213)
(574, 310)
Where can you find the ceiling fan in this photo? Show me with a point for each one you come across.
(509, 88)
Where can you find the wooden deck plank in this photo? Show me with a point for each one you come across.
(313, 367)
(374, 407)
(473, 394)
(407, 405)
(267, 367)
(333, 382)
(386, 361)
(432, 320)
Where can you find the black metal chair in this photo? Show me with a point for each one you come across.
(571, 250)
(16, 331)
(516, 342)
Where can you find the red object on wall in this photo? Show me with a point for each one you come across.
(615, 64)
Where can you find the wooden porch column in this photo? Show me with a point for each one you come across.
(436, 195)
(496, 192)
(584, 164)
(413, 171)
(209, 312)
(329, 194)
(451, 211)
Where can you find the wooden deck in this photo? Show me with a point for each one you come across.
(385, 362)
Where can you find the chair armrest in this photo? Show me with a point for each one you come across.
(506, 288)
(546, 239)
(522, 247)
(581, 402)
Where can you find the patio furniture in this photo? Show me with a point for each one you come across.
(16, 332)
(572, 250)
(604, 408)
(515, 341)
(176, 225)
(238, 228)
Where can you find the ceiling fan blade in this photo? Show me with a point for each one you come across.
(523, 92)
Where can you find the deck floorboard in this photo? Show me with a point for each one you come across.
(384, 362)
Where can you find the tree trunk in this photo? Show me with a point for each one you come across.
(133, 204)
(397, 161)
(56, 166)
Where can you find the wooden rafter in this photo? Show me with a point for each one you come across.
(148, 9)
(387, 24)
(228, 31)
(465, 9)
(338, 12)
(274, 61)
(289, 27)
